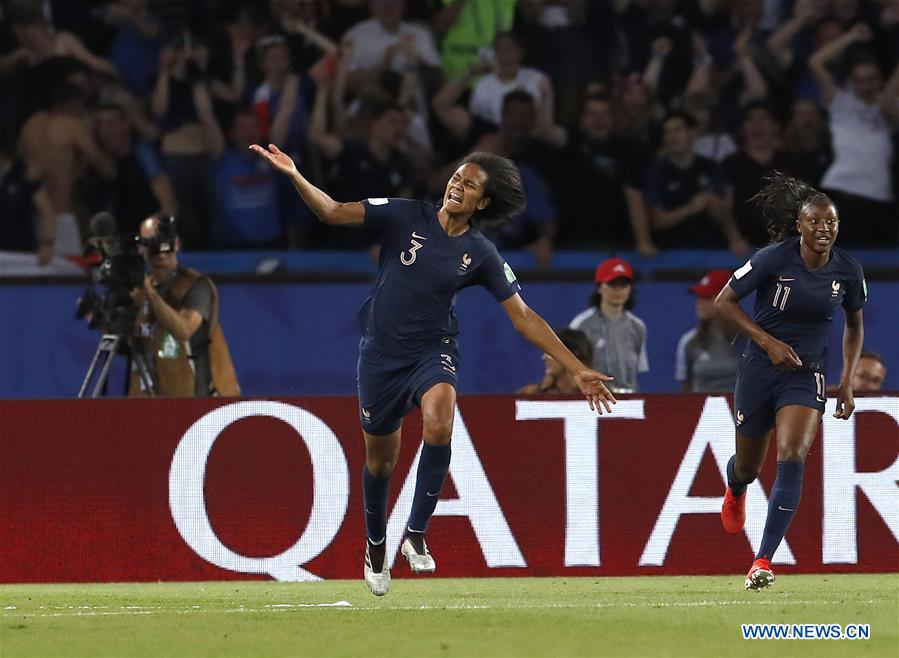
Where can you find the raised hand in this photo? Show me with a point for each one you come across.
(276, 158)
(598, 396)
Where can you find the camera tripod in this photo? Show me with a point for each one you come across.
(106, 350)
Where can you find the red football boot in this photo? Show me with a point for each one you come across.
(733, 511)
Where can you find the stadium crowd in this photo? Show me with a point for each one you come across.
(636, 124)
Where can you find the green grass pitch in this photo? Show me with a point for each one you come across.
(645, 616)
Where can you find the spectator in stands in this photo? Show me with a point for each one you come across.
(141, 186)
(707, 360)
(556, 380)
(858, 181)
(807, 142)
(507, 75)
(302, 23)
(248, 212)
(233, 70)
(518, 139)
(386, 42)
(637, 109)
(136, 45)
(646, 25)
(711, 142)
(602, 170)
(617, 335)
(182, 107)
(27, 220)
(39, 42)
(869, 373)
(466, 29)
(758, 156)
(359, 169)
(808, 29)
(58, 142)
(573, 42)
(685, 194)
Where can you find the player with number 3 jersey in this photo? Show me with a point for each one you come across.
(800, 282)
(408, 353)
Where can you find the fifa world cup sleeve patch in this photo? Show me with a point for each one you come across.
(379, 201)
(510, 275)
(865, 287)
(743, 271)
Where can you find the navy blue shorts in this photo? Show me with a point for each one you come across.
(388, 388)
(762, 389)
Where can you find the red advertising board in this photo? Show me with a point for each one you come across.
(181, 490)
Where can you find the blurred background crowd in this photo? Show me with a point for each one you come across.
(637, 124)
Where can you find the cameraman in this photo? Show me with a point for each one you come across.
(177, 324)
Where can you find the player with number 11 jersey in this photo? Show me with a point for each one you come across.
(800, 282)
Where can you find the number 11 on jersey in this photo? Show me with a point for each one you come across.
(780, 297)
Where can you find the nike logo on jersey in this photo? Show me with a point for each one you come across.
(785, 509)
(432, 495)
(783, 278)
(416, 245)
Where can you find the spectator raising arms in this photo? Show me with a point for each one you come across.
(858, 181)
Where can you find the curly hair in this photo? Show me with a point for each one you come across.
(781, 199)
(504, 188)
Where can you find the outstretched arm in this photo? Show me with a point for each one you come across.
(853, 337)
(325, 208)
(535, 329)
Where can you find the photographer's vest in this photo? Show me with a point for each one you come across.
(175, 375)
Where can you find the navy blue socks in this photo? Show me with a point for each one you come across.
(735, 485)
(374, 500)
(432, 468)
(782, 505)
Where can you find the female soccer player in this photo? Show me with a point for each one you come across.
(408, 353)
(799, 283)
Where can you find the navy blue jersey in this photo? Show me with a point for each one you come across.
(795, 304)
(411, 307)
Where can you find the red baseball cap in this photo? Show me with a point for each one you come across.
(711, 284)
(613, 268)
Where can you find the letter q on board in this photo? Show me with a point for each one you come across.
(331, 488)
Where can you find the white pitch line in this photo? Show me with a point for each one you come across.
(345, 605)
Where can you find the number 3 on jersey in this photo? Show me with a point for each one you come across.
(780, 297)
(416, 245)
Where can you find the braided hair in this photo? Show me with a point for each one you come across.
(781, 199)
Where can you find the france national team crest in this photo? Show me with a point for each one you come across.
(835, 288)
(466, 261)
(740, 418)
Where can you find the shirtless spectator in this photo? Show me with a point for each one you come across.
(58, 142)
(38, 42)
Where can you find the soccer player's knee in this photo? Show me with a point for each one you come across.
(380, 468)
(438, 430)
